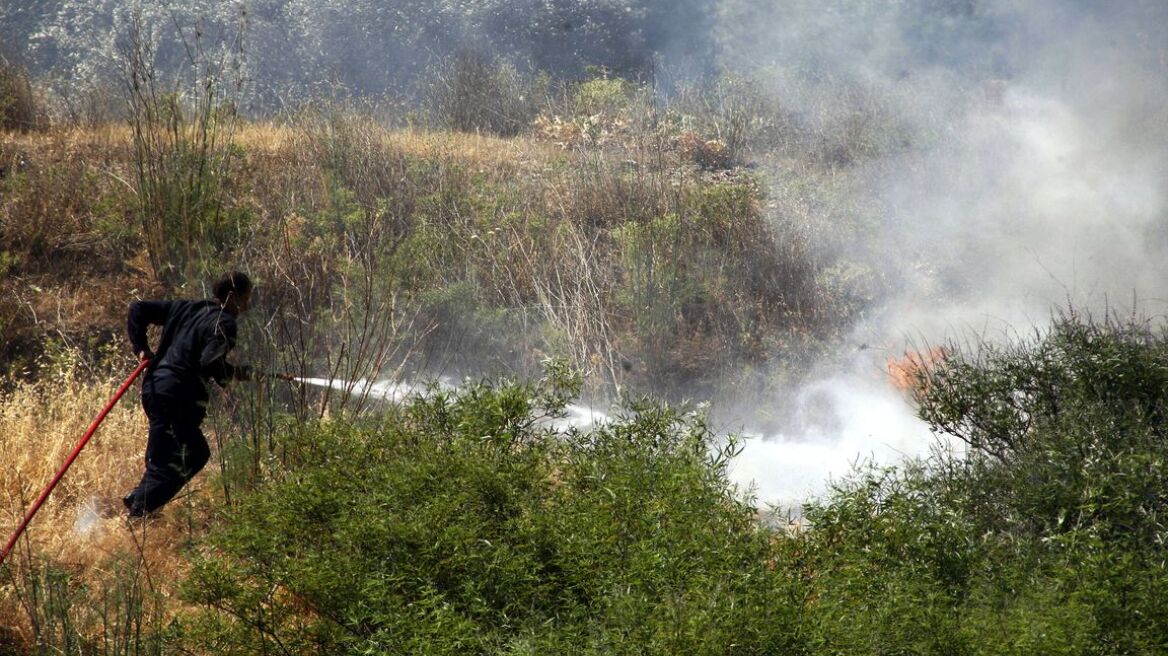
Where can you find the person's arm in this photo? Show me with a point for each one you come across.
(213, 362)
(142, 315)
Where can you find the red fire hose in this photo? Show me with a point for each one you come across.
(69, 461)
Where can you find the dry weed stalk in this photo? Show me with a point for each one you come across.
(183, 153)
(571, 289)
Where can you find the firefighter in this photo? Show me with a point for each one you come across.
(192, 351)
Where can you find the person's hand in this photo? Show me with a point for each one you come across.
(247, 373)
(144, 355)
(278, 376)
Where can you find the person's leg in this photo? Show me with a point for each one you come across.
(161, 448)
(175, 451)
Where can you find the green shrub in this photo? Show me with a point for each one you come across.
(466, 335)
(459, 525)
(604, 95)
(708, 282)
(474, 92)
(1045, 538)
(1067, 428)
(899, 564)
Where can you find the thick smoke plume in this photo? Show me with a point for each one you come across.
(1034, 177)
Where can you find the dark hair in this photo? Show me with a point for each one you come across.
(235, 282)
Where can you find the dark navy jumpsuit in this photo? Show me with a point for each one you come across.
(196, 337)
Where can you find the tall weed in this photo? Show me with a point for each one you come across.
(20, 109)
(473, 92)
(183, 151)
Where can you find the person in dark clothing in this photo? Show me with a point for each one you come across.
(192, 350)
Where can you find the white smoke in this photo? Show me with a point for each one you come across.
(859, 420)
(1038, 179)
(89, 516)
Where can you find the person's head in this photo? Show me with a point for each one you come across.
(233, 290)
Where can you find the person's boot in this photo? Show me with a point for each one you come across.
(135, 510)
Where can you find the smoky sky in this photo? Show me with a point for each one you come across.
(1028, 171)
(1045, 185)
(1032, 171)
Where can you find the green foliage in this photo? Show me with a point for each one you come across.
(181, 190)
(892, 566)
(1047, 537)
(466, 334)
(604, 94)
(477, 93)
(705, 283)
(1071, 424)
(901, 565)
(460, 525)
(8, 261)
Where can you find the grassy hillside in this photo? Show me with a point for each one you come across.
(631, 241)
(628, 244)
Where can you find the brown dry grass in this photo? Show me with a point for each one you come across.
(40, 424)
(475, 150)
(66, 271)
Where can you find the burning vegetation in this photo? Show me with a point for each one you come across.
(911, 372)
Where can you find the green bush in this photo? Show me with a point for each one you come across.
(1047, 537)
(1067, 428)
(466, 335)
(707, 283)
(460, 525)
(604, 95)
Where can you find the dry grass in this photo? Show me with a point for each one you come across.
(81, 528)
(474, 150)
(104, 143)
(536, 229)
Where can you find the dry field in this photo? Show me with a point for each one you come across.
(81, 531)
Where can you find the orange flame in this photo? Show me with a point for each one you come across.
(910, 373)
